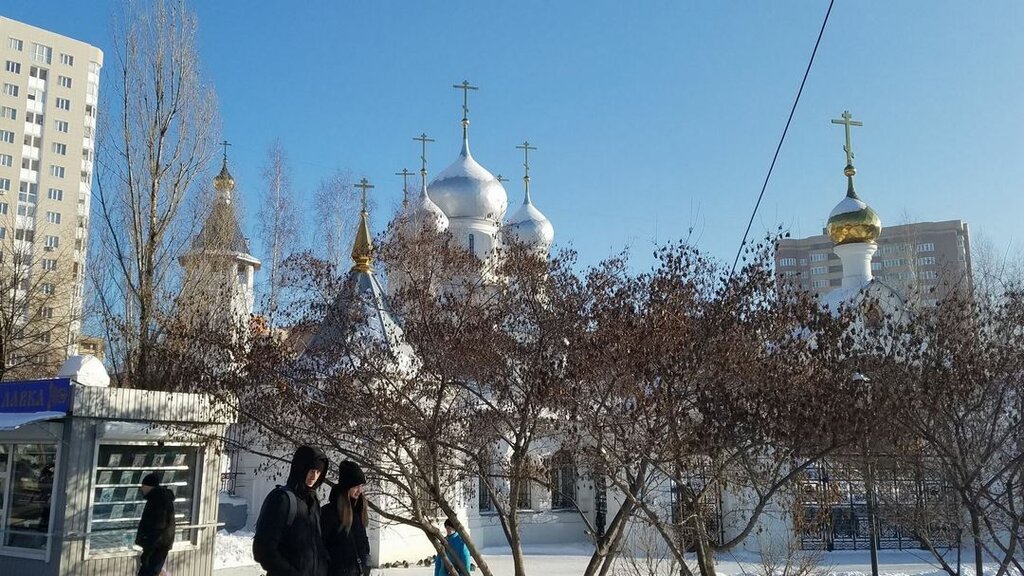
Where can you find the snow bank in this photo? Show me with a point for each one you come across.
(231, 550)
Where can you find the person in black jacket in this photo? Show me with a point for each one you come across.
(288, 541)
(345, 518)
(156, 528)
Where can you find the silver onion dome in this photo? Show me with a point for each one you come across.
(423, 214)
(530, 227)
(467, 190)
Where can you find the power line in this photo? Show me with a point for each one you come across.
(782, 139)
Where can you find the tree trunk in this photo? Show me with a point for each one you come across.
(979, 553)
(705, 555)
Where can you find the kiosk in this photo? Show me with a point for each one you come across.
(72, 458)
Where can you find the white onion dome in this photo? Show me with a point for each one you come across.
(467, 190)
(423, 214)
(529, 227)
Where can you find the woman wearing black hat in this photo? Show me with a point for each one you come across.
(344, 524)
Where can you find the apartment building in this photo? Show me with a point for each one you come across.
(49, 88)
(922, 261)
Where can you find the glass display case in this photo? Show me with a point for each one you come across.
(117, 500)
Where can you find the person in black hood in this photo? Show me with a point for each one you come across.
(345, 518)
(156, 527)
(288, 541)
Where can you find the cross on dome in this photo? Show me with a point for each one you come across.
(405, 184)
(847, 121)
(364, 185)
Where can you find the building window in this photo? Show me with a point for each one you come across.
(6, 160)
(892, 262)
(37, 72)
(63, 103)
(33, 118)
(52, 242)
(926, 247)
(819, 283)
(15, 44)
(926, 261)
(8, 112)
(562, 476)
(49, 264)
(27, 472)
(47, 288)
(10, 89)
(64, 81)
(27, 210)
(13, 67)
(483, 497)
(7, 136)
(55, 194)
(876, 265)
(27, 236)
(28, 192)
(53, 217)
(5, 184)
(67, 59)
(117, 496)
(60, 148)
(819, 257)
(4, 207)
(62, 126)
(787, 262)
(42, 53)
(46, 312)
(818, 270)
(57, 171)
(522, 498)
(928, 275)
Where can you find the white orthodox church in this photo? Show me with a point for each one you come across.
(466, 200)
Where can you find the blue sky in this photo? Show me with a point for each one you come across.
(651, 118)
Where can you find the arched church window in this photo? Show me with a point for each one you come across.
(562, 478)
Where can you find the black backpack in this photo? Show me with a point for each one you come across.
(293, 506)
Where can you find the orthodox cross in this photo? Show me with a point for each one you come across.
(422, 139)
(847, 121)
(364, 185)
(500, 179)
(225, 144)
(405, 183)
(465, 87)
(525, 147)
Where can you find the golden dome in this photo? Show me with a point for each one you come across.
(852, 221)
(224, 182)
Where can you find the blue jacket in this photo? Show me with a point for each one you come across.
(460, 558)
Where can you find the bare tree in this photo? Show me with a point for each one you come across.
(151, 156)
(337, 206)
(278, 224)
(40, 292)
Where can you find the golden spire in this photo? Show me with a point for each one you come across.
(362, 248)
(224, 182)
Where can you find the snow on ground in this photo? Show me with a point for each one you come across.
(232, 549)
(233, 557)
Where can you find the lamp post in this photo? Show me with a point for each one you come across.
(869, 478)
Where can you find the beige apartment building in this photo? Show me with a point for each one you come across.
(49, 88)
(923, 261)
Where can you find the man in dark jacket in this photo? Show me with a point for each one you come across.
(156, 528)
(288, 541)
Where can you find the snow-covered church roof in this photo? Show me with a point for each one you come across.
(359, 320)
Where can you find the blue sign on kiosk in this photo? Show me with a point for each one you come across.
(26, 396)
